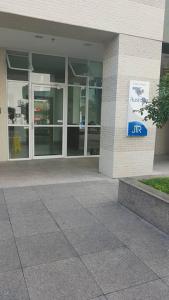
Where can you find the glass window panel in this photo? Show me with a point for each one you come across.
(75, 141)
(48, 141)
(80, 70)
(76, 105)
(94, 113)
(18, 60)
(17, 75)
(48, 68)
(18, 108)
(77, 71)
(48, 106)
(18, 142)
(95, 73)
(93, 141)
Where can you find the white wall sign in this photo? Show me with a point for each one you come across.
(138, 98)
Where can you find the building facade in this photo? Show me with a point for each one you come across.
(67, 69)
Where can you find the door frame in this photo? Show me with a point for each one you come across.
(65, 126)
(32, 126)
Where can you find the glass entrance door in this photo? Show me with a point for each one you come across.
(47, 121)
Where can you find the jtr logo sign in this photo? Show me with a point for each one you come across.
(136, 129)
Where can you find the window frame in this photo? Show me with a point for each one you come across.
(30, 68)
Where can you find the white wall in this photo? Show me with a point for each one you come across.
(166, 24)
(127, 58)
(61, 46)
(135, 17)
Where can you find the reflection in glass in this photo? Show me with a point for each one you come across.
(76, 105)
(18, 111)
(75, 141)
(17, 75)
(93, 141)
(48, 141)
(94, 113)
(48, 68)
(18, 142)
(78, 71)
(95, 73)
(48, 106)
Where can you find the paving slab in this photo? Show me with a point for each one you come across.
(43, 248)
(117, 269)
(21, 209)
(53, 191)
(153, 249)
(147, 242)
(2, 198)
(20, 194)
(3, 212)
(5, 230)
(74, 218)
(92, 198)
(97, 193)
(9, 259)
(90, 239)
(155, 290)
(126, 225)
(33, 224)
(12, 286)
(66, 279)
(104, 186)
(61, 203)
(107, 250)
(166, 280)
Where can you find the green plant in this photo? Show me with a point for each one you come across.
(158, 109)
(161, 183)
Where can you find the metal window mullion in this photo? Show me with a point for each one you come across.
(96, 126)
(18, 125)
(48, 125)
(49, 84)
(76, 125)
(86, 117)
(84, 86)
(65, 110)
(30, 110)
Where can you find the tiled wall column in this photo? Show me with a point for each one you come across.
(127, 58)
(3, 108)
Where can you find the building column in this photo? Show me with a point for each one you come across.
(126, 58)
(3, 108)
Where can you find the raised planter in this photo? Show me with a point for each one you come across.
(147, 202)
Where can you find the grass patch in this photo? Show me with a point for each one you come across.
(161, 184)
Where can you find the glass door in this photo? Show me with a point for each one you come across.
(47, 121)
